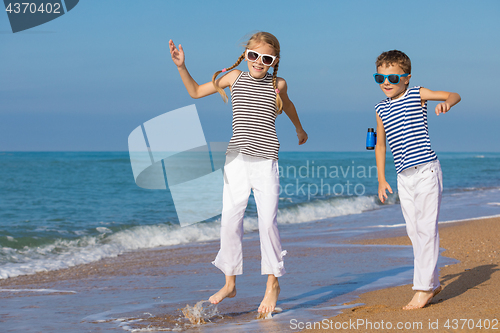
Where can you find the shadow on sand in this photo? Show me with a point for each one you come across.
(463, 281)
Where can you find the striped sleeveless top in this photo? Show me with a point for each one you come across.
(254, 115)
(405, 124)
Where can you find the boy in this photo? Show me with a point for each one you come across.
(402, 117)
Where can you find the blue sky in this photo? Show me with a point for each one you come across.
(84, 81)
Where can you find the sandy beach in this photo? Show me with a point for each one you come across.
(471, 288)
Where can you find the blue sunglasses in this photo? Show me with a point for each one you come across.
(393, 78)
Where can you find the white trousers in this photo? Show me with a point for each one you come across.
(241, 174)
(420, 191)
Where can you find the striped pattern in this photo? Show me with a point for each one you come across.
(254, 115)
(405, 124)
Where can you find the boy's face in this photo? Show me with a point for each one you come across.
(393, 91)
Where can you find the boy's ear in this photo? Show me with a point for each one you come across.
(408, 79)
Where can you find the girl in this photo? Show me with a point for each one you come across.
(251, 158)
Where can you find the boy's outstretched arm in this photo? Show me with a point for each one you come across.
(449, 98)
(291, 112)
(380, 150)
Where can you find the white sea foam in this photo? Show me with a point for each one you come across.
(441, 222)
(104, 230)
(63, 253)
(317, 210)
(67, 253)
(321, 209)
(470, 219)
(48, 291)
(388, 225)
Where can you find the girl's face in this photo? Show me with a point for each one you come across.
(256, 68)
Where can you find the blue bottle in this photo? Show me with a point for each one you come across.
(371, 139)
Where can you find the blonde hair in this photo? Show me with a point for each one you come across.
(259, 37)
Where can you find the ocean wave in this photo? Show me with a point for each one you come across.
(321, 209)
(64, 253)
(67, 253)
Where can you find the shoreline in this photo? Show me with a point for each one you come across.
(471, 287)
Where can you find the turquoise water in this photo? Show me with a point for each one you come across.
(61, 209)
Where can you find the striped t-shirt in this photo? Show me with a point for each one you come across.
(405, 125)
(254, 115)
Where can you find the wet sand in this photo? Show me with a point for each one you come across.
(471, 288)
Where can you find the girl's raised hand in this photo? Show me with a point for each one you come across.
(177, 54)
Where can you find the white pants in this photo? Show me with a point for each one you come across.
(241, 174)
(420, 191)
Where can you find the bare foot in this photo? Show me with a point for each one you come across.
(421, 299)
(271, 296)
(226, 291)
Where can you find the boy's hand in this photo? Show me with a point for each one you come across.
(382, 194)
(442, 108)
(177, 54)
(449, 99)
(302, 135)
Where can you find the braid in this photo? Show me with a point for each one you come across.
(219, 89)
(279, 102)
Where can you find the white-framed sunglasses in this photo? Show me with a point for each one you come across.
(266, 59)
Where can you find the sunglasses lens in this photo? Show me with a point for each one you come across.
(267, 60)
(252, 56)
(379, 78)
(394, 79)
